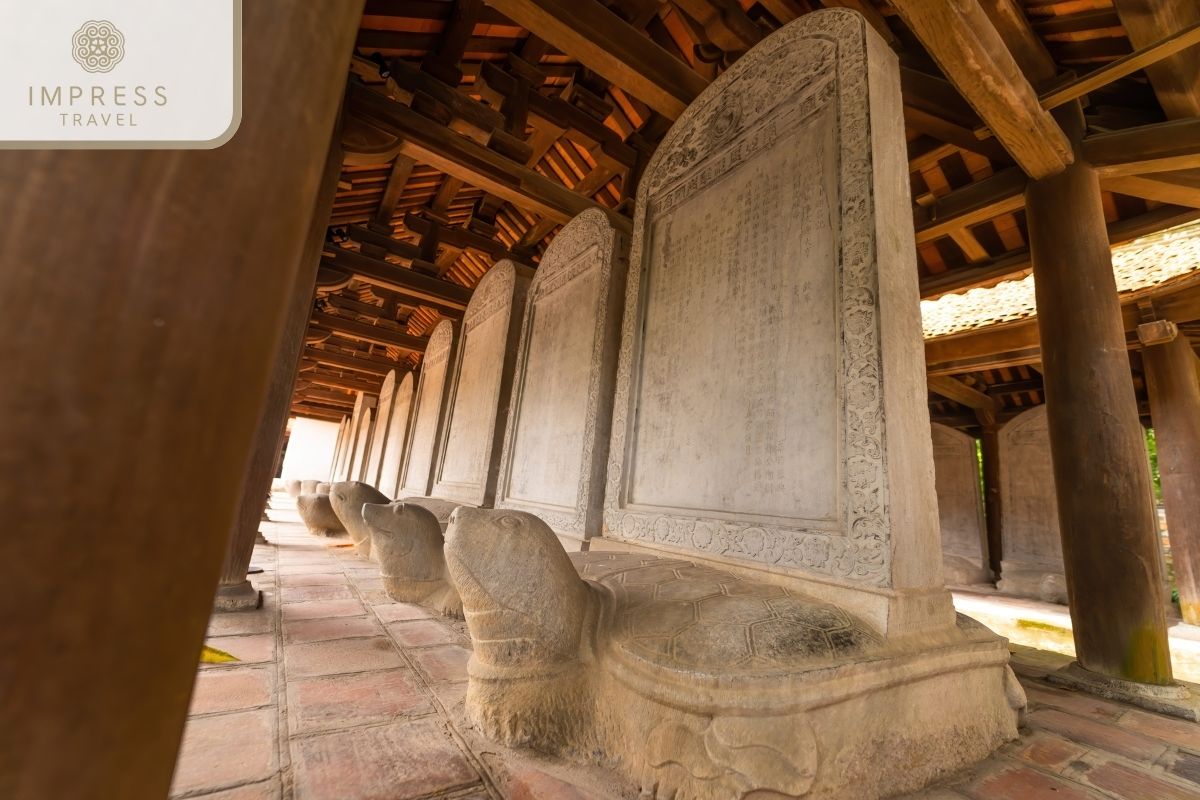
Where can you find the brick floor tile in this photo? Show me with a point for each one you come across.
(235, 623)
(314, 579)
(398, 612)
(301, 594)
(314, 609)
(306, 569)
(419, 633)
(266, 790)
(326, 628)
(450, 695)
(231, 689)
(442, 664)
(1185, 766)
(255, 649)
(365, 583)
(226, 750)
(528, 783)
(1097, 734)
(1049, 751)
(1025, 783)
(338, 656)
(1078, 703)
(1129, 783)
(322, 704)
(1176, 731)
(390, 762)
(373, 597)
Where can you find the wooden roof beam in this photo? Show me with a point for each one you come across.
(1001, 193)
(359, 363)
(409, 282)
(366, 332)
(1181, 188)
(315, 412)
(431, 143)
(613, 48)
(319, 377)
(1174, 77)
(959, 392)
(970, 51)
(1149, 148)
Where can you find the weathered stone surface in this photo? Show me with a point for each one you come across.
(309, 486)
(407, 543)
(323, 487)
(468, 458)
(317, 513)
(556, 443)
(348, 498)
(705, 684)
(428, 413)
(1033, 561)
(798, 438)
(380, 428)
(292, 487)
(960, 510)
(354, 468)
(396, 436)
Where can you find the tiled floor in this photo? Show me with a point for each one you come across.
(341, 694)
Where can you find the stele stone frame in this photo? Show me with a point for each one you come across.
(960, 506)
(790, 435)
(468, 455)
(379, 431)
(428, 412)
(397, 436)
(559, 421)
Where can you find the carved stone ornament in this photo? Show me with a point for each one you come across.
(407, 542)
(796, 109)
(348, 498)
(317, 514)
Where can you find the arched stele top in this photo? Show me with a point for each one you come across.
(428, 411)
(796, 437)
(556, 442)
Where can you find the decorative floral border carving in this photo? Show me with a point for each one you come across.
(789, 66)
(564, 260)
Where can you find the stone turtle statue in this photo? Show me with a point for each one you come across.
(348, 498)
(407, 542)
(292, 487)
(698, 682)
(317, 514)
(309, 486)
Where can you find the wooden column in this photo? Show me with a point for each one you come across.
(1175, 411)
(1106, 513)
(140, 314)
(234, 592)
(989, 445)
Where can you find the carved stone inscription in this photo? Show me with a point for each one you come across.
(379, 437)
(546, 450)
(1028, 501)
(737, 405)
(429, 401)
(473, 414)
(959, 508)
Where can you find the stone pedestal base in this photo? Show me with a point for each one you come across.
(1176, 700)
(237, 597)
(1037, 581)
(964, 571)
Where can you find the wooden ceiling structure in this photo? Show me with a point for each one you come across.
(473, 130)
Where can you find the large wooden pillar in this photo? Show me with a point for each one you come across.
(1175, 411)
(1109, 535)
(140, 313)
(234, 592)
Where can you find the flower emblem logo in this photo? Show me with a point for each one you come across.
(98, 46)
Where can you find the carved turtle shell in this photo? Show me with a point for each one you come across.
(681, 615)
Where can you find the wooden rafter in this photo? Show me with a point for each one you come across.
(359, 363)
(1148, 148)
(366, 332)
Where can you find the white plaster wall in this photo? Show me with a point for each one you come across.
(310, 449)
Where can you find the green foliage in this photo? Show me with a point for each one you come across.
(1152, 450)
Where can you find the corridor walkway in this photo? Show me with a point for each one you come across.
(338, 693)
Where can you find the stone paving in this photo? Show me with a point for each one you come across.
(339, 693)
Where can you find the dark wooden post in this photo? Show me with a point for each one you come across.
(1175, 410)
(989, 446)
(1106, 512)
(234, 592)
(140, 314)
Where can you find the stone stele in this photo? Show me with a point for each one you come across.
(1033, 562)
(348, 498)
(764, 615)
(559, 422)
(428, 413)
(381, 429)
(960, 509)
(317, 514)
(396, 436)
(468, 458)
